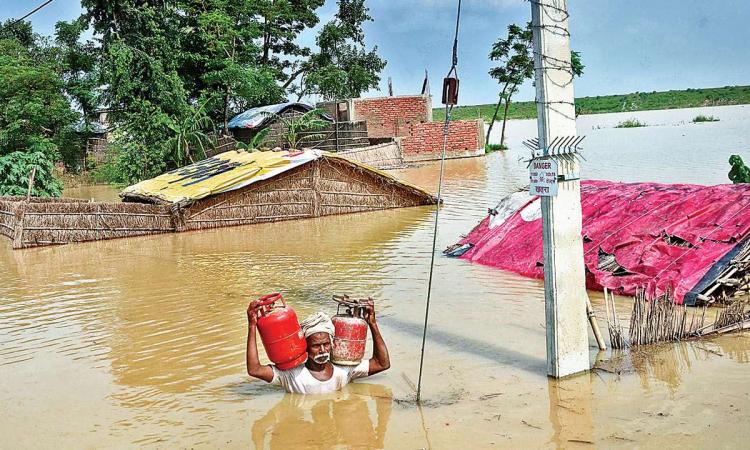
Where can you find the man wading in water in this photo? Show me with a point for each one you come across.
(318, 375)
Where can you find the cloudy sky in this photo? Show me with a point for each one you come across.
(626, 45)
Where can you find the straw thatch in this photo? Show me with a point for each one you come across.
(61, 221)
(7, 217)
(382, 156)
(327, 186)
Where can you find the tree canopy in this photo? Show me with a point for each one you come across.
(515, 65)
(36, 120)
(169, 73)
(343, 68)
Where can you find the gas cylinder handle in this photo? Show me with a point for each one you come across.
(351, 310)
(270, 299)
(354, 308)
(345, 300)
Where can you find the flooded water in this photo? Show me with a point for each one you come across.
(140, 342)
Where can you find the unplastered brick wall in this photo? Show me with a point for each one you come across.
(392, 116)
(425, 140)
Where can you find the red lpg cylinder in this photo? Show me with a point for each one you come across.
(280, 333)
(351, 333)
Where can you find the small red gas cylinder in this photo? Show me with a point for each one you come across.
(280, 333)
(351, 332)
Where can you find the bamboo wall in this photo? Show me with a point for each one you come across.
(7, 218)
(339, 136)
(62, 221)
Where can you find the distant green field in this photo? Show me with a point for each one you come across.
(638, 101)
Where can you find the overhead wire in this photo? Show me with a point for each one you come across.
(32, 12)
(446, 132)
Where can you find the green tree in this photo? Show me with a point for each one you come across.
(282, 21)
(36, 119)
(343, 68)
(515, 66)
(190, 134)
(160, 60)
(221, 56)
(80, 66)
(140, 66)
(15, 171)
(575, 64)
(79, 70)
(20, 32)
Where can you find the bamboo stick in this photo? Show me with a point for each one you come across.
(31, 184)
(595, 326)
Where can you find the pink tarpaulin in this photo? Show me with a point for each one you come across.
(646, 235)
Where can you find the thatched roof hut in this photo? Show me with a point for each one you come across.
(238, 188)
(233, 188)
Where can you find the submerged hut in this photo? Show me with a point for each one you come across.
(690, 240)
(53, 221)
(233, 188)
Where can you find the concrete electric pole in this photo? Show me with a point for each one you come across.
(564, 283)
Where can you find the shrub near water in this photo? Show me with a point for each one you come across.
(701, 118)
(15, 169)
(495, 147)
(631, 123)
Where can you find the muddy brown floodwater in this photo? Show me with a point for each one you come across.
(140, 342)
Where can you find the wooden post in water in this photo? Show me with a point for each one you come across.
(31, 184)
(564, 284)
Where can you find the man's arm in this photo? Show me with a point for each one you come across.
(254, 367)
(380, 360)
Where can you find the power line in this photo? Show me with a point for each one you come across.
(449, 103)
(32, 11)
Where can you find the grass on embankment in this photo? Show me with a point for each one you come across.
(638, 101)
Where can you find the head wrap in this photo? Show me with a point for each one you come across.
(317, 323)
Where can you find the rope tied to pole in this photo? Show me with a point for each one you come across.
(450, 98)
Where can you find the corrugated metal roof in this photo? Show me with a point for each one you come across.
(262, 115)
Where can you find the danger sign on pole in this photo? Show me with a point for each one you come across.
(543, 178)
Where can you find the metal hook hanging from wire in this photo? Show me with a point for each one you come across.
(450, 99)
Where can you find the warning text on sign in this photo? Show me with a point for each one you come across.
(543, 178)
